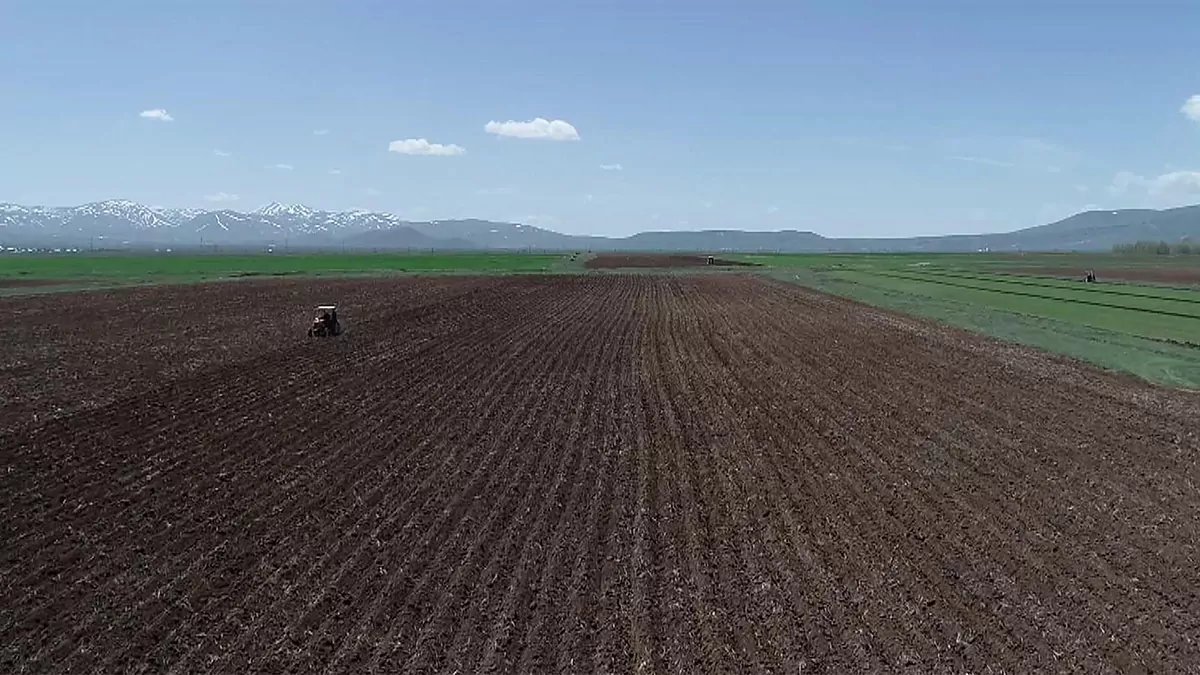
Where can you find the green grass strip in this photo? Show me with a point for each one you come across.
(1163, 294)
(1092, 303)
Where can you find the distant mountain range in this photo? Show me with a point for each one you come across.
(126, 224)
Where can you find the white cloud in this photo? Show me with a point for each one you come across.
(335, 172)
(420, 146)
(157, 114)
(772, 209)
(981, 160)
(1191, 108)
(222, 197)
(1173, 184)
(1176, 183)
(281, 167)
(611, 167)
(540, 128)
(320, 132)
(222, 153)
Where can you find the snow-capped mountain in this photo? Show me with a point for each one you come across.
(36, 216)
(285, 211)
(141, 217)
(124, 219)
(121, 221)
(179, 215)
(232, 226)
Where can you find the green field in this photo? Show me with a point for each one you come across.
(970, 261)
(1150, 330)
(84, 270)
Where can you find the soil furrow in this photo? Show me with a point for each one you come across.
(592, 473)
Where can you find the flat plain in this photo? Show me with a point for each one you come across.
(1143, 316)
(577, 473)
(24, 273)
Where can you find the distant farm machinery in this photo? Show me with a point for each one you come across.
(326, 322)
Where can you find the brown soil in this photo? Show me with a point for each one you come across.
(619, 260)
(1162, 275)
(24, 283)
(578, 474)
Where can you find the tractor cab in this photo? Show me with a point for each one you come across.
(325, 323)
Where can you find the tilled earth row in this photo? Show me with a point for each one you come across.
(62, 353)
(592, 474)
(603, 261)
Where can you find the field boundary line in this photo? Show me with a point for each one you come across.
(1092, 303)
(1101, 290)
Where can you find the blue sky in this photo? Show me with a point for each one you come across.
(845, 118)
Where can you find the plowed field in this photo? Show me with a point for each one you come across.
(631, 260)
(578, 474)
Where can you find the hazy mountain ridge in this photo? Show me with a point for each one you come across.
(123, 223)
